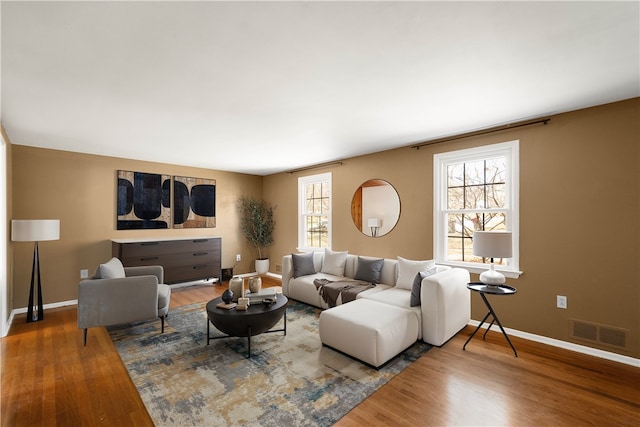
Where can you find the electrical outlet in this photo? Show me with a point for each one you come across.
(238, 258)
(278, 268)
(561, 301)
(84, 273)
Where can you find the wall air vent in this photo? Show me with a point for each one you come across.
(596, 333)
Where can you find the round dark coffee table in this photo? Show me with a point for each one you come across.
(257, 319)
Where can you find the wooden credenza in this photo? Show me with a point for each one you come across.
(184, 260)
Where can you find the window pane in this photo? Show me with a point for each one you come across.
(492, 221)
(459, 243)
(474, 197)
(474, 173)
(455, 198)
(325, 205)
(496, 195)
(455, 175)
(317, 233)
(496, 170)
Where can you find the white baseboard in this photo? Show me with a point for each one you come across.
(615, 357)
(46, 306)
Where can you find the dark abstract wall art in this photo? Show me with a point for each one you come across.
(143, 200)
(194, 202)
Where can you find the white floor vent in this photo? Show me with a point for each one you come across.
(602, 334)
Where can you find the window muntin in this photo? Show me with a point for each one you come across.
(475, 189)
(314, 224)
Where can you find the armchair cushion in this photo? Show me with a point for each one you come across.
(112, 269)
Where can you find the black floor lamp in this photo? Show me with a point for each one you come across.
(35, 230)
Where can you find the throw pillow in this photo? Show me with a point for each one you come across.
(407, 270)
(112, 269)
(334, 262)
(303, 264)
(417, 285)
(369, 270)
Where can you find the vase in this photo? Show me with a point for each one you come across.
(227, 296)
(235, 285)
(255, 284)
(262, 266)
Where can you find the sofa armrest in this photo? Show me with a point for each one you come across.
(287, 273)
(105, 302)
(446, 305)
(146, 270)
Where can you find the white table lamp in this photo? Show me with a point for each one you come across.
(492, 244)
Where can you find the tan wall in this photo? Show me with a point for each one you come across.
(579, 216)
(80, 190)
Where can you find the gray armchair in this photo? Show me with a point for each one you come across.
(139, 295)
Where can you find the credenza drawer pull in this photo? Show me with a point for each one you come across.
(201, 241)
(200, 267)
(149, 243)
(152, 258)
(201, 253)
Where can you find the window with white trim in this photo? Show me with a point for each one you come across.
(476, 189)
(314, 212)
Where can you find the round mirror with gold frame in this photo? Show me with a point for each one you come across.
(375, 208)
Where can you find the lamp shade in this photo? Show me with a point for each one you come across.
(35, 230)
(373, 222)
(492, 244)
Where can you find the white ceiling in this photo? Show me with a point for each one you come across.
(263, 87)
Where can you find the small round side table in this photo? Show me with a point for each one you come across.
(484, 290)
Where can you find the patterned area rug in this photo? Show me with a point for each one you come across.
(290, 380)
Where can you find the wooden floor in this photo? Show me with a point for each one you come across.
(50, 379)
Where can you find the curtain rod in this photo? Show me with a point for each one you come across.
(500, 128)
(314, 167)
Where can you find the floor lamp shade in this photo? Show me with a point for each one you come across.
(35, 230)
(492, 244)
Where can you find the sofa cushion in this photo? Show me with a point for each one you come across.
(334, 262)
(112, 269)
(407, 270)
(368, 269)
(303, 264)
(397, 298)
(417, 284)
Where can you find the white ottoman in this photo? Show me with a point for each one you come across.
(371, 331)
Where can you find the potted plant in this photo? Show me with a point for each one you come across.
(257, 225)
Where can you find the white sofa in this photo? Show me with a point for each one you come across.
(444, 308)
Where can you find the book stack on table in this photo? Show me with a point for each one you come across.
(262, 294)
